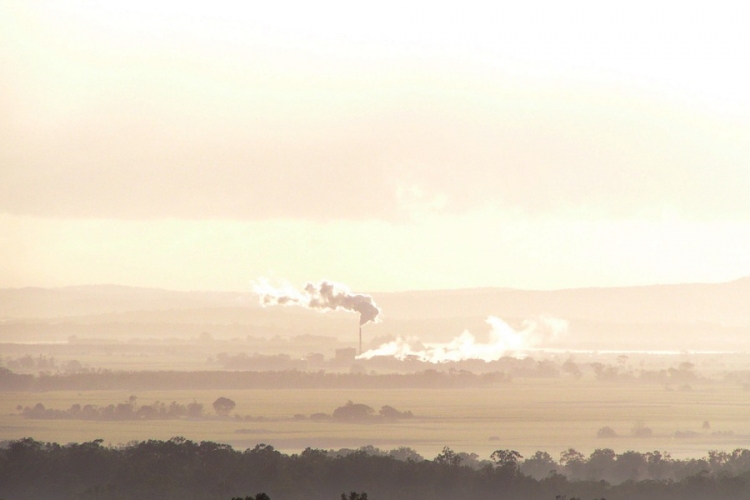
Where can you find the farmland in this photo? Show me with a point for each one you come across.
(525, 415)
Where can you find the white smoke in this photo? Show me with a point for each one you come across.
(503, 341)
(324, 296)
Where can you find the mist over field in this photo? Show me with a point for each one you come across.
(291, 251)
(711, 317)
(441, 378)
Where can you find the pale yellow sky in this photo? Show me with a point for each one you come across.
(396, 146)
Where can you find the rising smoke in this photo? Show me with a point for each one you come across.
(504, 341)
(323, 296)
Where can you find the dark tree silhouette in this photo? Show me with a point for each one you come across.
(505, 458)
(222, 406)
(258, 496)
(180, 469)
(353, 495)
(448, 457)
(353, 412)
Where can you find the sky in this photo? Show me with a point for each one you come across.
(390, 146)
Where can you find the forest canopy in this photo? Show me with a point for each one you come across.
(186, 470)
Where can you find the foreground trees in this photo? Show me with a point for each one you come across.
(186, 470)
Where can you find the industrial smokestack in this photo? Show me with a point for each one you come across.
(360, 340)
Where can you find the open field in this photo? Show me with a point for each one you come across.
(525, 415)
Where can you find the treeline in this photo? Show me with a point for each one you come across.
(186, 470)
(131, 410)
(127, 410)
(289, 379)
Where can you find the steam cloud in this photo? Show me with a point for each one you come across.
(503, 340)
(325, 296)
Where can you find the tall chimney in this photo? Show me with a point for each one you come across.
(360, 340)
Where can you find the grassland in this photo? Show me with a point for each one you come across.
(525, 415)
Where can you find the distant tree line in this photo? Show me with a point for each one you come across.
(127, 410)
(121, 411)
(40, 362)
(187, 470)
(259, 362)
(198, 380)
(280, 371)
(131, 410)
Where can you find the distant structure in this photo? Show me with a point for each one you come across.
(345, 355)
(315, 359)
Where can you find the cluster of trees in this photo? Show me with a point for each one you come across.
(291, 379)
(11, 381)
(353, 495)
(28, 362)
(129, 410)
(509, 366)
(639, 430)
(680, 376)
(358, 412)
(186, 470)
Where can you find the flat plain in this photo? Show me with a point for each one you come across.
(525, 415)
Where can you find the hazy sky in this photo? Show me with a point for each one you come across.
(398, 145)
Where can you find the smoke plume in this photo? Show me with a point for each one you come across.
(323, 296)
(504, 340)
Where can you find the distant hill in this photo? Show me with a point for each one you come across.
(722, 303)
(683, 316)
(35, 302)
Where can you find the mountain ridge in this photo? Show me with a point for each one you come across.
(689, 315)
(724, 302)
